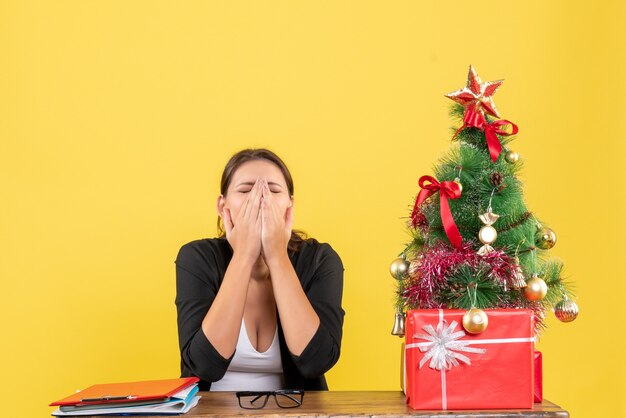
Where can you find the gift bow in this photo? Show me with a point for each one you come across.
(447, 190)
(444, 346)
(474, 119)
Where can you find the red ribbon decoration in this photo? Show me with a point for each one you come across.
(474, 119)
(447, 190)
(471, 119)
(493, 142)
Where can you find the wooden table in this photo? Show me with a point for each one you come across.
(354, 404)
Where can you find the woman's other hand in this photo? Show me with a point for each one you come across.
(244, 234)
(276, 224)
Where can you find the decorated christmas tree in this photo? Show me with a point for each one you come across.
(475, 243)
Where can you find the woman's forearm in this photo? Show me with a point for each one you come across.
(297, 317)
(223, 320)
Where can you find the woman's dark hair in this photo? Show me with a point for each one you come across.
(252, 154)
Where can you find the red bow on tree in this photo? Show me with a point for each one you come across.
(447, 190)
(474, 119)
(493, 142)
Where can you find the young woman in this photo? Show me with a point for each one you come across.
(259, 308)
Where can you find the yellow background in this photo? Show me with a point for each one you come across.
(117, 117)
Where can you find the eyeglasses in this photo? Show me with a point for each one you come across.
(289, 398)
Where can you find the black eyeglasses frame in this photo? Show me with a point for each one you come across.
(258, 394)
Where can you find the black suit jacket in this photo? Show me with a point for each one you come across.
(200, 269)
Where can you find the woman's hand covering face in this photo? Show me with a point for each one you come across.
(276, 224)
(244, 234)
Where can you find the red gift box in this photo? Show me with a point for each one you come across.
(448, 368)
(538, 377)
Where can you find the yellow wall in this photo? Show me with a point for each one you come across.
(116, 118)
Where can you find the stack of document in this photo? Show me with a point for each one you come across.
(153, 397)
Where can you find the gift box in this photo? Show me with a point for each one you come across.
(538, 377)
(448, 368)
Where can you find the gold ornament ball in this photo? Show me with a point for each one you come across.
(511, 157)
(475, 321)
(545, 238)
(487, 234)
(536, 288)
(414, 267)
(399, 267)
(566, 310)
(458, 181)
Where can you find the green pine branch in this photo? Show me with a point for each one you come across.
(468, 287)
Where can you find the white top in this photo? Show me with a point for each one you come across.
(251, 370)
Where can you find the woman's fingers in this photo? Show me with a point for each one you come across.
(245, 232)
(255, 201)
(265, 201)
(228, 222)
(267, 195)
(262, 204)
(269, 200)
(271, 211)
(289, 220)
(276, 228)
(244, 207)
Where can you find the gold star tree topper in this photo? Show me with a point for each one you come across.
(477, 95)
